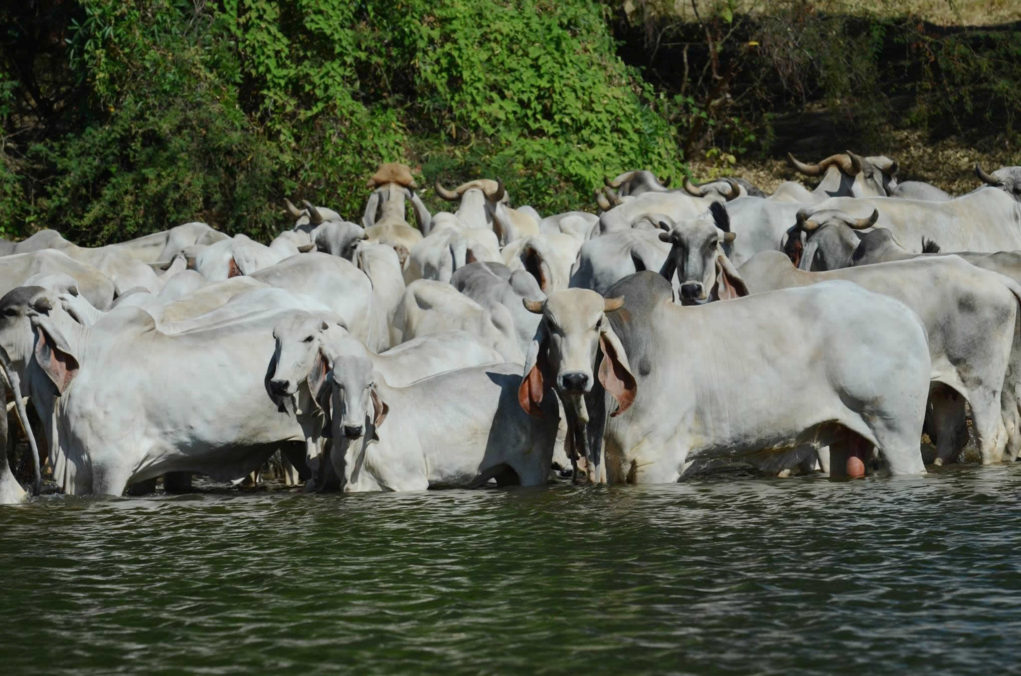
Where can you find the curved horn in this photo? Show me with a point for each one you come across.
(315, 218)
(613, 304)
(987, 178)
(293, 210)
(497, 193)
(866, 222)
(735, 189)
(807, 169)
(448, 195)
(853, 165)
(619, 181)
(693, 188)
(602, 201)
(803, 221)
(845, 162)
(534, 306)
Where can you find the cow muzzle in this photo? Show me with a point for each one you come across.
(280, 388)
(692, 293)
(353, 431)
(575, 382)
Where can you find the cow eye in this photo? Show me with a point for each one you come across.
(309, 339)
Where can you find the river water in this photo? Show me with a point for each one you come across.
(717, 575)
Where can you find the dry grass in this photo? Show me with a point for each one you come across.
(948, 163)
(943, 12)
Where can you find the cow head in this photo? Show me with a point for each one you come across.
(698, 259)
(1007, 179)
(298, 360)
(831, 238)
(849, 174)
(636, 182)
(338, 238)
(357, 408)
(574, 346)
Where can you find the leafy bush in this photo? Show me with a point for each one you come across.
(189, 111)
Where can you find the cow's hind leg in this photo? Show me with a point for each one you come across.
(989, 428)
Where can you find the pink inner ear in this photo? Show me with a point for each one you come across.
(380, 409)
(617, 380)
(727, 288)
(59, 366)
(233, 270)
(530, 391)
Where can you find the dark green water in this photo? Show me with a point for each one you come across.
(710, 576)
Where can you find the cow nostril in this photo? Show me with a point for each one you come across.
(279, 386)
(691, 290)
(352, 431)
(575, 382)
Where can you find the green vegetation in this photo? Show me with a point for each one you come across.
(118, 118)
(165, 111)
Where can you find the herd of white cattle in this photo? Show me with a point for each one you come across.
(673, 332)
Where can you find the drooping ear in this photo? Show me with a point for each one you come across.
(531, 389)
(615, 372)
(53, 355)
(317, 381)
(379, 408)
(729, 283)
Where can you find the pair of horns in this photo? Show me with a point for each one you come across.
(314, 217)
(493, 194)
(629, 176)
(847, 162)
(536, 306)
(700, 189)
(808, 225)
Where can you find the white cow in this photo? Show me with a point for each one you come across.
(298, 361)
(191, 402)
(456, 429)
(696, 385)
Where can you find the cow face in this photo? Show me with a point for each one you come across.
(698, 258)
(571, 336)
(831, 238)
(356, 404)
(16, 338)
(296, 358)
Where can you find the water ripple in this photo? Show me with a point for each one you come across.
(709, 576)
